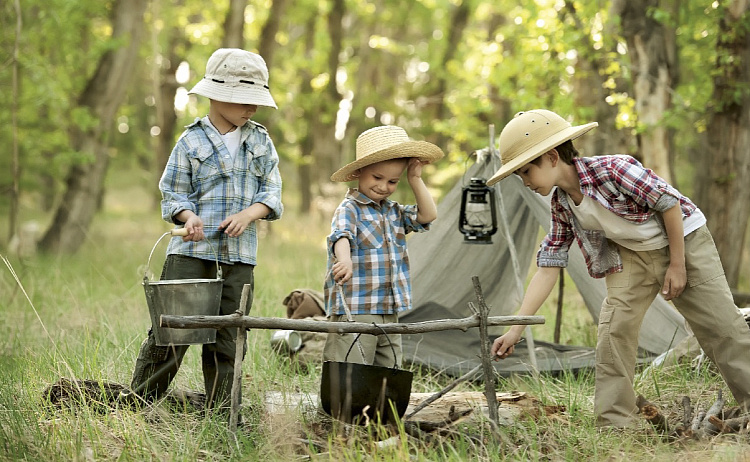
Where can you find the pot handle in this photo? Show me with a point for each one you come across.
(356, 339)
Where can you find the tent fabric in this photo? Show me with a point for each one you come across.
(442, 267)
(455, 352)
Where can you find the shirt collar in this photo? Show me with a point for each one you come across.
(357, 196)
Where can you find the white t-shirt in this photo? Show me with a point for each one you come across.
(231, 140)
(634, 236)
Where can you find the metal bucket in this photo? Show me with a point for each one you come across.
(351, 391)
(182, 297)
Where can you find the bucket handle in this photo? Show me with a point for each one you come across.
(179, 232)
(356, 339)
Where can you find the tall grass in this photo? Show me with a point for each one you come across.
(86, 315)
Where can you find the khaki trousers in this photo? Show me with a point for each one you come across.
(706, 304)
(379, 350)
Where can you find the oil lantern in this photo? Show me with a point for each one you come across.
(478, 220)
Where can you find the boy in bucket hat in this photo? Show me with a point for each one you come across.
(222, 176)
(640, 234)
(368, 265)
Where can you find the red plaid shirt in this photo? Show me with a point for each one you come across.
(623, 186)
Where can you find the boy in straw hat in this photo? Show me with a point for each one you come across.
(222, 176)
(640, 234)
(368, 266)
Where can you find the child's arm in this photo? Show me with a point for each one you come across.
(342, 270)
(676, 277)
(426, 208)
(539, 288)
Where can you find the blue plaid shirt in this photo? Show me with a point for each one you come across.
(377, 235)
(623, 186)
(200, 176)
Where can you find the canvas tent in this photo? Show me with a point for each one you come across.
(442, 266)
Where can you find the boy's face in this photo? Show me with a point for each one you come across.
(224, 116)
(537, 175)
(379, 180)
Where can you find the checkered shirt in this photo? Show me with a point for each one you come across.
(202, 176)
(623, 186)
(377, 235)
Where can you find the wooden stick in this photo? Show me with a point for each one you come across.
(238, 353)
(489, 370)
(714, 410)
(442, 392)
(220, 322)
(687, 409)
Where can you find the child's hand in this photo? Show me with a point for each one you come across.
(414, 168)
(194, 227)
(504, 345)
(342, 271)
(675, 281)
(235, 225)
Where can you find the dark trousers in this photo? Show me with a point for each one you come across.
(156, 366)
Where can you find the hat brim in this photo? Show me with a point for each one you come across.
(422, 150)
(240, 94)
(538, 149)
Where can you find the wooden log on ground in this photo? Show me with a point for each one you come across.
(248, 322)
(736, 425)
(652, 414)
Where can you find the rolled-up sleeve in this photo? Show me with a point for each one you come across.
(553, 252)
(175, 184)
(343, 225)
(269, 189)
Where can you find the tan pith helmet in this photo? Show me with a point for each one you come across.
(529, 135)
(385, 143)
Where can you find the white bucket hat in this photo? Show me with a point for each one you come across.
(385, 143)
(529, 135)
(236, 76)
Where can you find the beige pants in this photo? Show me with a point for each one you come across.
(379, 350)
(706, 304)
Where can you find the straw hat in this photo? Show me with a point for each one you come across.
(236, 76)
(385, 143)
(529, 135)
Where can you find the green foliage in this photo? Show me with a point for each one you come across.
(396, 66)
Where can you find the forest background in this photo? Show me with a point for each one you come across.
(95, 88)
(93, 94)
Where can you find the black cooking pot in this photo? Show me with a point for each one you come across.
(349, 391)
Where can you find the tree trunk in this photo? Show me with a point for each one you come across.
(268, 45)
(459, 21)
(234, 25)
(652, 56)
(102, 97)
(590, 92)
(16, 163)
(723, 173)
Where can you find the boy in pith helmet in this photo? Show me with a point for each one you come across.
(639, 233)
(222, 176)
(368, 265)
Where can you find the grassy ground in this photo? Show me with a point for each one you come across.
(84, 316)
